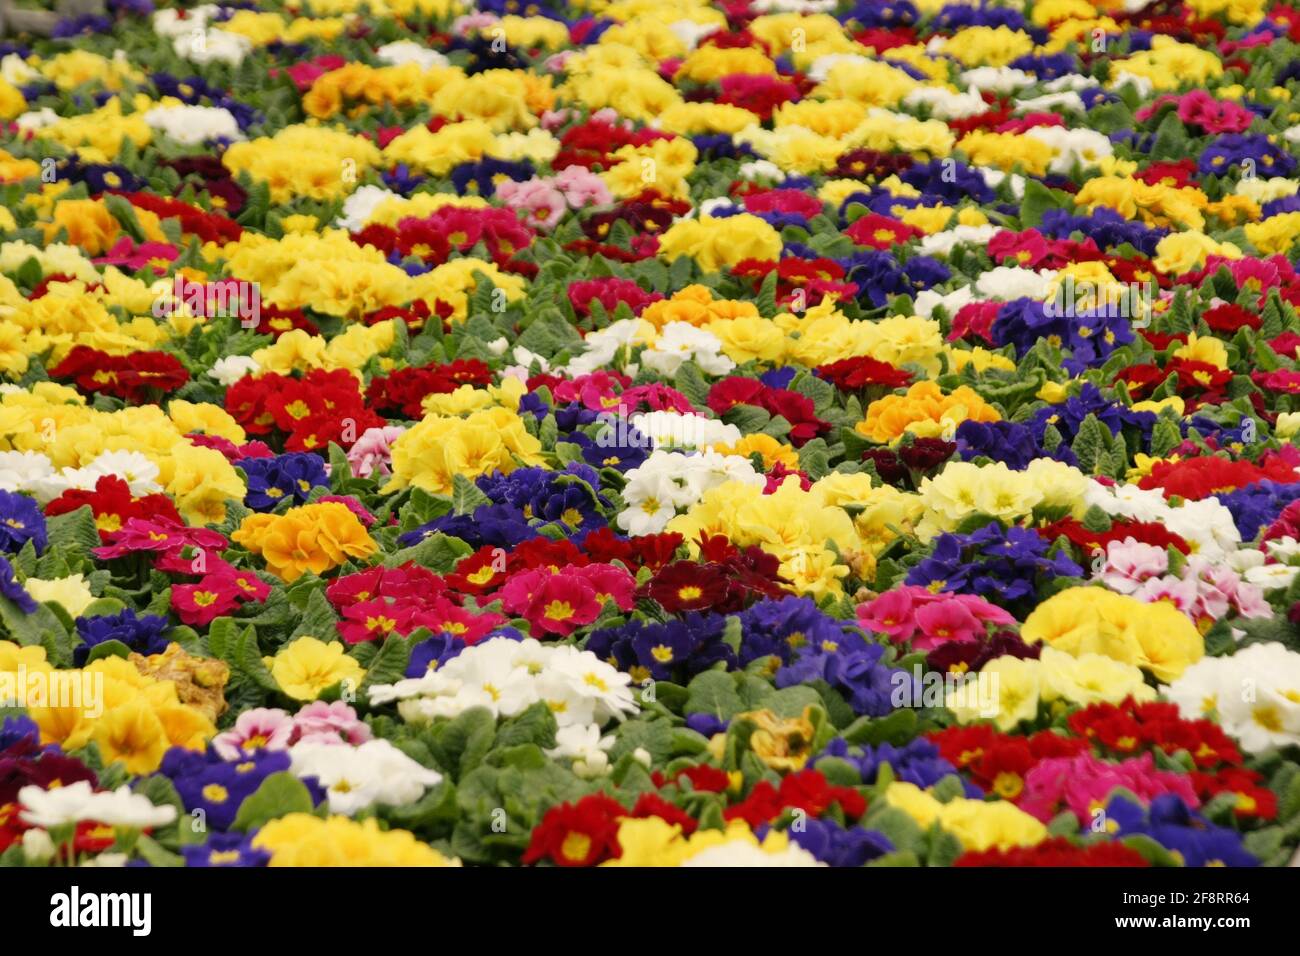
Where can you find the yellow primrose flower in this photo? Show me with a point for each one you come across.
(978, 358)
(1089, 679)
(1156, 637)
(720, 243)
(314, 537)
(1157, 406)
(771, 450)
(132, 717)
(1206, 349)
(987, 46)
(925, 411)
(72, 593)
(306, 666)
(437, 448)
(200, 481)
(311, 161)
(782, 743)
(1275, 234)
(1005, 690)
(1288, 424)
(980, 826)
(206, 418)
(748, 338)
(1006, 151)
(303, 839)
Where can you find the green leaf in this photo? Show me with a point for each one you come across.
(896, 825)
(689, 380)
(124, 213)
(536, 725)
(279, 795)
(465, 496)
(389, 665)
(713, 692)
(1037, 200)
(108, 649)
(838, 771)
(75, 530)
(1092, 445)
(1171, 138)
(654, 736)
(41, 627)
(248, 660)
(942, 847)
(459, 745)
(154, 854)
(1064, 823)
(1151, 851)
(438, 552)
(435, 809)
(318, 618)
(897, 728)
(792, 701)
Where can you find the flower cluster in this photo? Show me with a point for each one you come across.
(761, 432)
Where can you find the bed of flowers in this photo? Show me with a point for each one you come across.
(651, 432)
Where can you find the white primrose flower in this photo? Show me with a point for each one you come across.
(675, 429)
(77, 802)
(669, 481)
(1070, 81)
(1123, 78)
(996, 79)
(408, 51)
(507, 676)
(822, 66)
(691, 33)
(1064, 101)
(38, 847)
(945, 104)
(680, 341)
(526, 359)
(231, 368)
(133, 467)
(361, 205)
(1284, 548)
(763, 169)
(995, 177)
(593, 681)
(650, 498)
(1126, 501)
(942, 243)
(36, 119)
(14, 70)
(1012, 282)
(583, 744)
(359, 777)
(192, 125)
(1207, 525)
(1270, 577)
(1254, 694)
(929, 300)
(20, 469)
(171, 23)
(212, 46)
(1085, 147)
(793, 6)
(744, 853)
(601, 346)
